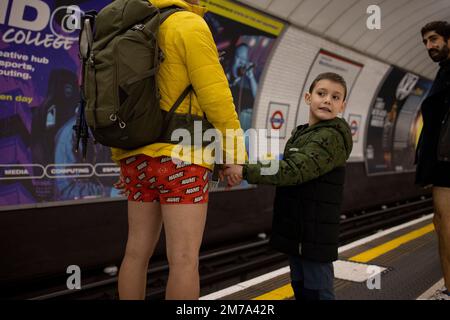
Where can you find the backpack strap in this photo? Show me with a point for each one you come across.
(163, 15)
(86, 37)
(166, 12)
(85, 41)
(179, 101)
(175, 106)
(146, 28)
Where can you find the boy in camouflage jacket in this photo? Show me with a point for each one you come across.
(309, 190)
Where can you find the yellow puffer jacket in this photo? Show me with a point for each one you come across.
(191, 57)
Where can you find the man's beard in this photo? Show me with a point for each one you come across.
(442, 55)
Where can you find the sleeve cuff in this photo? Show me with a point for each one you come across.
(251, 173)
(244, 172)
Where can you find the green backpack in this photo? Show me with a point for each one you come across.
(121, 98)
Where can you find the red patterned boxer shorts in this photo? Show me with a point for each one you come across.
(161, 180)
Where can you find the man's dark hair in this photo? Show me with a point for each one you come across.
(442, 28)
(332, 77)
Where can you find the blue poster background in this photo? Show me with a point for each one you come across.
(39, 96)
(38, 100)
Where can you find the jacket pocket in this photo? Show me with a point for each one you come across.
(287, 220)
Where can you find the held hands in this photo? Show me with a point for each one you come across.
(233, 174)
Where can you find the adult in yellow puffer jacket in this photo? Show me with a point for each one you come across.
(191, 57)
(159, 190)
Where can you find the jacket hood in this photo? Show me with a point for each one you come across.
(338, 124)
(160, 4)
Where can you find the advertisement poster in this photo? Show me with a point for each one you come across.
(394, 123)
(39, 70)
(328, 62)
(39, 95)
(244, 39)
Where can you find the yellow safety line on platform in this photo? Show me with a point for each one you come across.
(286, 291)
(283, 293)
(373, 253)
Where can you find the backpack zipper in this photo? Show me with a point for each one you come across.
(91, 59)
(114, 117)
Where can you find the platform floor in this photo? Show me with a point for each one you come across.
(401, 263)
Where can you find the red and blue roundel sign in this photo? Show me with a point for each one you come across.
(277, 120)
(354, 127)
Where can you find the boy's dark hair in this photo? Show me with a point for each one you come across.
(332, 77)
(442, 28)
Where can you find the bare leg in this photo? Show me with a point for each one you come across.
(441, 199)
(144, 228)
(183, 225)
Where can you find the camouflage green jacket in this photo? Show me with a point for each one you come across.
(310, 153)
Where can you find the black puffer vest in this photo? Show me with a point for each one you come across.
(306, 217)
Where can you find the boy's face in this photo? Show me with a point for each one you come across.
(326, 101)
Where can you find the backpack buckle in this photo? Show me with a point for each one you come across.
(91, 59)
(161, 56)
(139, 27)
